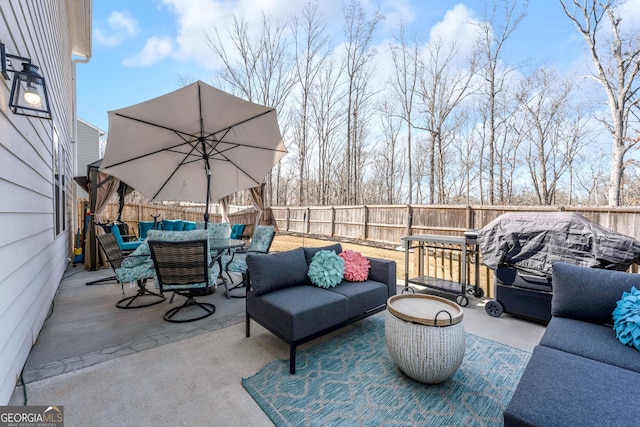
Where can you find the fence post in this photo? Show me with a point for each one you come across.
(365, 231)
(307, 225)
(470, 217)
(287, 219)
(333, 221)
(409, 220)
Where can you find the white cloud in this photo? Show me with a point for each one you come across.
(121, 25)
(154, 51)
(458, 25)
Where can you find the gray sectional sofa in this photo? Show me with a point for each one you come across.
(580, 374)
(283, 299)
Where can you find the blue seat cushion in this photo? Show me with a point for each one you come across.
(362, 296)
(563, 389)
(299, 311)
(589, 340)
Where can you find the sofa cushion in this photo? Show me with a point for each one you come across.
(189, 225)
(310, 252)
(589, 340)
(172, 224)
(326, 269)
(363, 296)
(297, 312)
(588, 294)
(563, 389)
(144, 227)
(270, 272)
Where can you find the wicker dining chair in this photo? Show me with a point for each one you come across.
(182, 267)
(139, 274)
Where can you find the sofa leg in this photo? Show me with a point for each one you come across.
(292, 359)
(247, 328)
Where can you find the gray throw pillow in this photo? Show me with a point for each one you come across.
(270, 272)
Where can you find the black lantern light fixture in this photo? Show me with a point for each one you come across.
(28, 91)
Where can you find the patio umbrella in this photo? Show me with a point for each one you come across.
(195, 144)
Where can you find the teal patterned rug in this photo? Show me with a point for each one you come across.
(350, 380)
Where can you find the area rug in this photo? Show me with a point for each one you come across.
(351, 380)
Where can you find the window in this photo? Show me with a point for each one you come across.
(59, 184)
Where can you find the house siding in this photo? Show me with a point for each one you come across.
(88, 150)
(32, 257)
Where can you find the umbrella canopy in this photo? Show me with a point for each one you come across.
(195, 144)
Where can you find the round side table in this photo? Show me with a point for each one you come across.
(425, 336)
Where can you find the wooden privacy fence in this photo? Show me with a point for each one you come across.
(382, 225)
(388, 224)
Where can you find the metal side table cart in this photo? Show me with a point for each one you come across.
(439, 253)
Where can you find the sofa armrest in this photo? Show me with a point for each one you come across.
(384, 271)
(588, 294)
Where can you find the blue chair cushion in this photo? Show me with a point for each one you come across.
(237, 230)
(270, 272)
(188, 225)
(125, 246)
(143, 228)
(172, 224)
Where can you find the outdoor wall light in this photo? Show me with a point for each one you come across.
(29, 91)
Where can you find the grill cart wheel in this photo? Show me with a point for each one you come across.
(494, 308)
(462, 300)
(478, 294)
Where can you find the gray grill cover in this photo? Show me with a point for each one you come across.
(533, 241)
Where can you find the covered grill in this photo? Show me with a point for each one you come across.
(522, 247)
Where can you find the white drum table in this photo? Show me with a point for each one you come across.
(425, 336)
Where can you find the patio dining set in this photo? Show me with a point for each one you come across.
(188, 263)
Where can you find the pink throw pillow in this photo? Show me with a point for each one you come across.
(356, 266)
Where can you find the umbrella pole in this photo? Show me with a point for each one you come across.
(206, 208)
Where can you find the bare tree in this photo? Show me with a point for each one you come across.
(616, 58)
(492, 36)
(442, 86)
(256, 68)
(388, 170)
(552, 131)
(403, 83)
(312, 43)
(358, 31)
(328, 119)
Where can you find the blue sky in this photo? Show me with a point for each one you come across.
(142, 47)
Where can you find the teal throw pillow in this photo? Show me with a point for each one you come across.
(326, 269)
(188, 225)
(626, 318)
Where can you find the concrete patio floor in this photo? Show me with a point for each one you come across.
(109, 366)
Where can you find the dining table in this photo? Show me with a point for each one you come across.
(218, 247)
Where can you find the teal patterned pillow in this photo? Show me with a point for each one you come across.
(326, 269)
(626, 318)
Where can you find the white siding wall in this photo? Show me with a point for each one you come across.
(32, 257)
(88, 150)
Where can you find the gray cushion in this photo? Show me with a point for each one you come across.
(562, 389)
(270, 272)
(298, 312)
(588, 294)
(310, 252)
(363, 296)
(589, 340)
